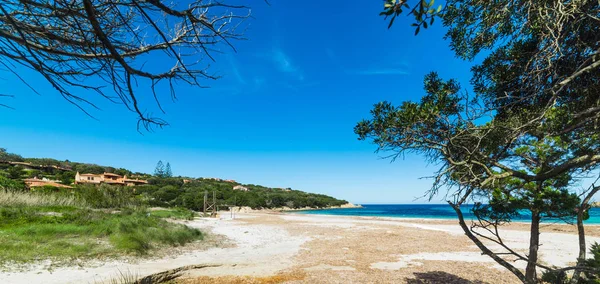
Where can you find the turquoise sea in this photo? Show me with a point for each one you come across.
(425, 211)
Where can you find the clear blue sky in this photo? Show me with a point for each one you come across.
(282, 115)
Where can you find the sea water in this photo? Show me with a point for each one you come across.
(428, 211)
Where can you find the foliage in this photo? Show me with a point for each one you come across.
(42, 161)
(162, 189)
(9, 157)
(15, 172)
(9, 185)
(528, 134)
(25, 199)
(168, 171)
(65, 177)
(591, 276)
(105, 196)
(172, 192)
(510, 167)
(424, 12)
(159, 171)
(162, 171)
(34, 174)
(177, 213)
(33, 233)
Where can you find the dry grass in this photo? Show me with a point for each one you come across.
(20, 199)
(275, 279)
(123, 277)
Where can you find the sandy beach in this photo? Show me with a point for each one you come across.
(262, 247)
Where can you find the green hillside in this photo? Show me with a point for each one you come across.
(161, 191)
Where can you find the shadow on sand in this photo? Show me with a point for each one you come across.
(439, 277)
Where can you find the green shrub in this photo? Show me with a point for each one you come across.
(9, 185)
(106, 196)
(587, 277)
(30, 233)
(177, 213)
(164, 192)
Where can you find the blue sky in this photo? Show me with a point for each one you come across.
(282, 115)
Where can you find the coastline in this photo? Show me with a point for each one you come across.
(343, 206)
(324, 249)
(246, 209)
(391, 218)
(453, 219)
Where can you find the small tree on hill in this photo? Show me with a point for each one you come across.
(15, 172)
(8, 185)
(168, 172)
(159, 171)
(9, 157)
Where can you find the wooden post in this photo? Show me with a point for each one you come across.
(214, 205)
(205, 196)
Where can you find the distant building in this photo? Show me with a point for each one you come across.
(133, 182)
(241, 188)
(107, 178)
(35, 182)
(230, 180)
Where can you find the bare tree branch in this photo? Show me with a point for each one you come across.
(72, 44)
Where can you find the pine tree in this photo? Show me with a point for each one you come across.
(168, 172)
(159, 171)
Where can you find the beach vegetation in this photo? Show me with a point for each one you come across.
(62, 227)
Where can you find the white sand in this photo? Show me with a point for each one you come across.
(261, 250)
(413, 259)
(265, 249)
(557, 249)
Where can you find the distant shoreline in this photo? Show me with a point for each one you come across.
(452, 219)
(343, 206)
(245, 209)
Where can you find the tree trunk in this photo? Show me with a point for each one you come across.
(581, 232)
(534, 243)
(582, 247)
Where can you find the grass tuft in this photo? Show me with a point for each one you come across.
(177, 213)
(20, 199)
(126, 277)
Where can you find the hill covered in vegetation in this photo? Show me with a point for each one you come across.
(161, 190)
